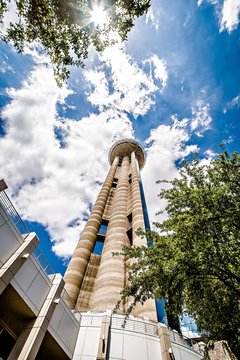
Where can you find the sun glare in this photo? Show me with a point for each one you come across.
(98, 15)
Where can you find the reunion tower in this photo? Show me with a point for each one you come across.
(94, 282)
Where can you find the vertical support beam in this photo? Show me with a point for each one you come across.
(30, 339)
(88, 283)
(110, 277)
(148, 309)
(137, 210)
(165, 341)
(13, 264)
(103, 339)
(80, 258)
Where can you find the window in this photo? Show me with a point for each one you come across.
(102, 231)
(120, 162)
(130, 218)
(114, 183)
(129, 228)
(130, 178)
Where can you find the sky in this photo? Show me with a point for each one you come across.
(174, 85)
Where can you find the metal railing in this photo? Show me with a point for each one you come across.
(142, 327)
(12, 213)
(43, 261)
(118, 322)
(22, 228)
(68, 302)
(181, 339)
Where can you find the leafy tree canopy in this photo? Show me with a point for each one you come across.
(194, 260)
(66, 28)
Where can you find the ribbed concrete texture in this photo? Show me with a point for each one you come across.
(94, 282)
(80, 258)
(137, 210)
(88, 283)
(111, 276)
(149, 307)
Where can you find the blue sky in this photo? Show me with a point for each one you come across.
(174, 86)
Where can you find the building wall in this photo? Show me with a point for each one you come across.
(138, 340)
(32, 284)
(10, 237)
(64, 327)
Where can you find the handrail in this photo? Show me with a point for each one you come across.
(12, 213)
(68, 301)
(181, 339)
(22, 228)
(43, 261)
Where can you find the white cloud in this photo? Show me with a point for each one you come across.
(230, 15)
(131, 88)
(5, 67)
(153, 15)
(210, 154)
(229, 140)
(201, 118)
(235, 102)
(100, 94)
(159, 69)
(212, 2)
(53, 183)
(166, 145)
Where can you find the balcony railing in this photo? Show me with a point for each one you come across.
(68, 301)
(181, 339)
(22, 228)
(8, 206)
(43, 261)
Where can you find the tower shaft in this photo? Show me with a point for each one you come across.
(80, 258)
(110, 278)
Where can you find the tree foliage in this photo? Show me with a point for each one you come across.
(65, 28)
(194, 260)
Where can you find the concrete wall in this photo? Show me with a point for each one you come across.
(132, 345)
(88, 338)
(139, 340)
(64, 327)
(183, 353)
(32, 284)
(10, 237)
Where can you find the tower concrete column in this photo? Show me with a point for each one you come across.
(80, 258)
(165, 342)
(111, 275)
(148, 309)
(137, 210)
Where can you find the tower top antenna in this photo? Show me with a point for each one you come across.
(125, 147)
